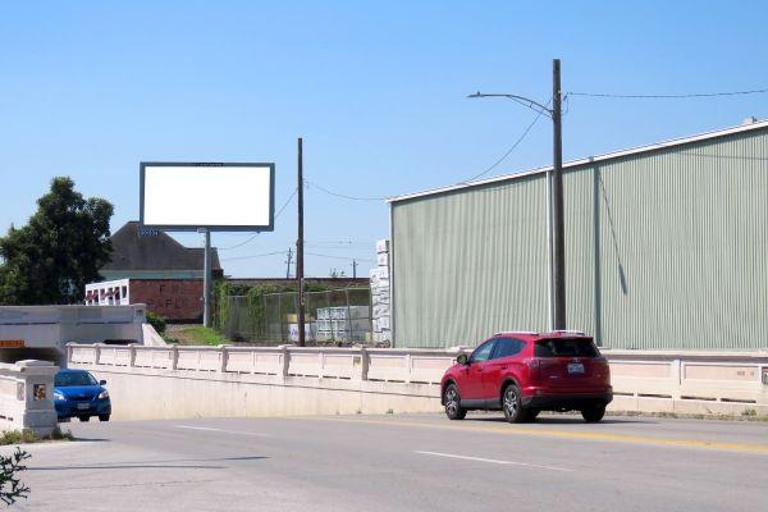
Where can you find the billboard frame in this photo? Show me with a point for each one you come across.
(210, 228)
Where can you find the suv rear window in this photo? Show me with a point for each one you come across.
(579, 347)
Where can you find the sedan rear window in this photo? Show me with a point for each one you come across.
(579, 347)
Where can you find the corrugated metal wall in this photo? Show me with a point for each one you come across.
(470, 263)
(663, 250)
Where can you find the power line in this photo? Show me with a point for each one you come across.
(668, 96)
(252, 238)
(345, 258)
(343, 196)
(253, 256)
(511, 149)
(287, 201)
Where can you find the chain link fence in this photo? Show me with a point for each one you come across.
(333, 317)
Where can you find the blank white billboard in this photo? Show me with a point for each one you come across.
(220, 196)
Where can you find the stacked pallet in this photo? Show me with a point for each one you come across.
(343, 323)
(380, 295)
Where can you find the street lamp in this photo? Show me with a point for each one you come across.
(555, 197)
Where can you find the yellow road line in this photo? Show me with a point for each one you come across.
(516, 430)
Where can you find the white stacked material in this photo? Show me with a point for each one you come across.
(310, 331)
(343, 323)
(380, 295)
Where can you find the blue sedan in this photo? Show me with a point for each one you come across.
(78, 394)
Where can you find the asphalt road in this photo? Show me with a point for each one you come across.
(403, 463)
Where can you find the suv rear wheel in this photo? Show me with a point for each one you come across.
(593, 414)
(452, 401)
(512, 404)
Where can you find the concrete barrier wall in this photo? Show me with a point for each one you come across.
(182, 382)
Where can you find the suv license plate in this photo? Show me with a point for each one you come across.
(574, 368)
(83, 407)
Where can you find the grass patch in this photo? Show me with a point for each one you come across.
(27, 436)
(195, 335)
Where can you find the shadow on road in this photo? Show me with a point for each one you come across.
(152, 464)
(564, 420)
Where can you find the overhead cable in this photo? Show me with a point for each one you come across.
(668, 96)
(343, 196)
(510, 150)
(253, 237)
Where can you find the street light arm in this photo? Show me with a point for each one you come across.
(519, 99)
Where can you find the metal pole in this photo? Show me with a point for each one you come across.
(207, 280)
(550, 258)
(300, 246)
(558, 218)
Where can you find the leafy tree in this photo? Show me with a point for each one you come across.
(62, 247)
(11, 488)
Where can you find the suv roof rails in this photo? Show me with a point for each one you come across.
(564, 331)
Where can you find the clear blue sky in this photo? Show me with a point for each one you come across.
(377, 90)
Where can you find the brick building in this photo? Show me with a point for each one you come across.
(161, 273)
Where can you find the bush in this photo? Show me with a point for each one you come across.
(11, 487)
(156, 321)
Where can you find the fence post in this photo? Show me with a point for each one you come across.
(280, 316)
(408, 367)
(175, 357)
(365, 363)
(677, 379)
(286, 361)
(70, 351)
(132, 359)
(223, 358)
(348, 323)
(96, 353)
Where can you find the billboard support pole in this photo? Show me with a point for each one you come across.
(300, 247)
(207, 279)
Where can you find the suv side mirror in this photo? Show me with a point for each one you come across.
(102, 383)
(463, 359)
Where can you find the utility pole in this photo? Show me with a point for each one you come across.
(300, 247)
(558, 215)
(207, 279)
(354, 268)
(555, 210)
(288, 263)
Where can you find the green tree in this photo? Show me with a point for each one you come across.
(62, 247)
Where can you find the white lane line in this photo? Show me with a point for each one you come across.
(222, 430)
(493, 461)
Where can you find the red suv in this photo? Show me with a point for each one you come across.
(523, 373)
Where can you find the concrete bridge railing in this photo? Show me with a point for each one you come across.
(349, 380)
(387, 365)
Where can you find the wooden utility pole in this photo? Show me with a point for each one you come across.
(558, 216)
(288, 263)
(354, 268)
(300, 247)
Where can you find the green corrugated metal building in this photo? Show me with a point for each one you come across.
(666, 248)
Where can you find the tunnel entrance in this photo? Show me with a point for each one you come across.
(13, 355)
